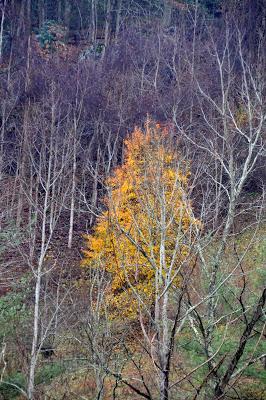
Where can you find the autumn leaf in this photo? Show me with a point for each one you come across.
(147, 204)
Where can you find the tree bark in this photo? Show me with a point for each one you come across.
(3, 10)
(41, 13)
(118, 19)
(164, 385)
(93, 33)
(167, 13)
(107, 27)
(73, 192)
(67, 14)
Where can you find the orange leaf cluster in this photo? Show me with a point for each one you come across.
(147, 210)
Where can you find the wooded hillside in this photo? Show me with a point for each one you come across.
(132, 199)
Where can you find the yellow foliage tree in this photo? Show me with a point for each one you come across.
(144, 237)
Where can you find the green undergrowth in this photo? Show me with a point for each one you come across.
(58, 379)
(44, 376)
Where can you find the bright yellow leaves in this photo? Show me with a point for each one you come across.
(144, 238)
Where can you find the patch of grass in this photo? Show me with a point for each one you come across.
(250, 390)
(8, 391)
(48, 372)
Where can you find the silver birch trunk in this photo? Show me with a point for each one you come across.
(38, 276)
(2, 29)
(73, 196)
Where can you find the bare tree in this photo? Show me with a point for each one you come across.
(46, 189)
(232, 140)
